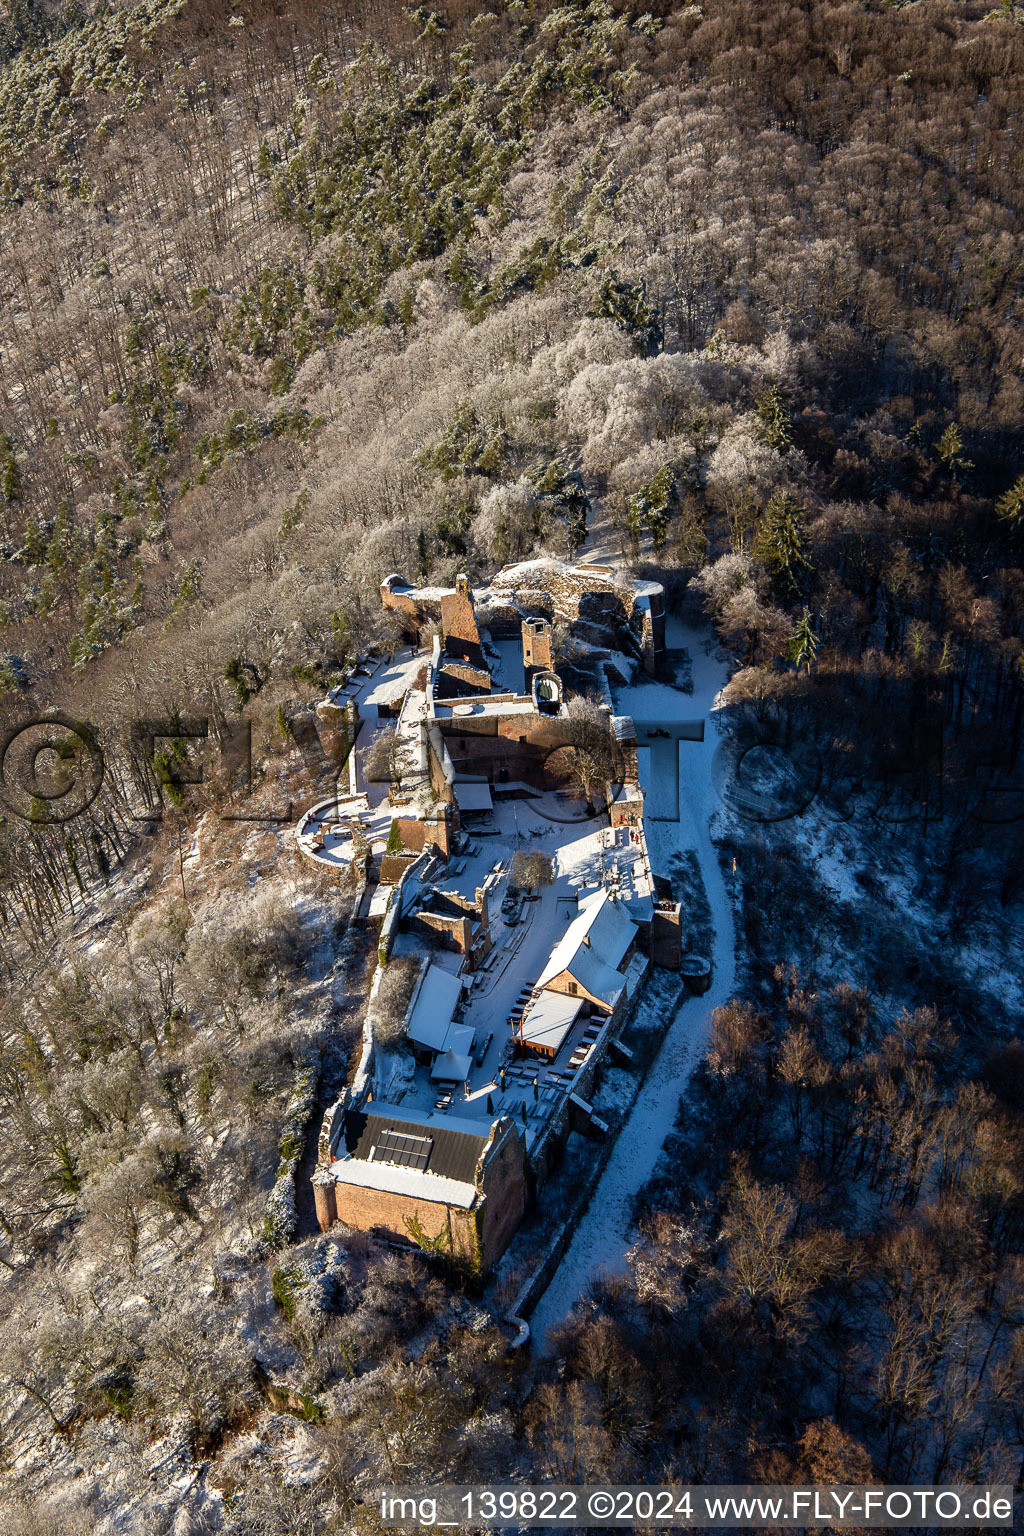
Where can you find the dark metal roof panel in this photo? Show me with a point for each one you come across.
(454, 1155)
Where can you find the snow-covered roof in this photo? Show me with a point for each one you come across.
(434, 1008)
(603, 925)
(482, 704)
(473, 797)
(418, 594)
(598, 980)
(512, 575)
(451, 1067)
(406, 1151)
(403, 1181)
(461, 1125)
(459, 1039)
(592, 947)
(550, 1019)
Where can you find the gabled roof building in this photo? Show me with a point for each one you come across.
(589, 960)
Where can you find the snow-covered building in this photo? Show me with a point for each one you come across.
(432, 1138)
(414, 1175)
(589, 960)
(545, 1025)
(432, 1029)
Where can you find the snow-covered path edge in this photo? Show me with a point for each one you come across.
(603, 1236)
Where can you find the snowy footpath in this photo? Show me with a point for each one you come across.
(604, 1236)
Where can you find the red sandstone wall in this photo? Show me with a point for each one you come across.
(400, 602)
(570, 987)
(491, 743)
(468, 676)
(625, 813)
(412, 832)
(454, 932)
(417, 835)
(505, 1205)
(369, 1208)
(457, 617)
(393, 866)
(536, 647)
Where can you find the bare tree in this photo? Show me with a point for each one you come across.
(391, 999)
(382, 758)
(589, 747)
(531, 871)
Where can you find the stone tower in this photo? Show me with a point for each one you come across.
(536, 645)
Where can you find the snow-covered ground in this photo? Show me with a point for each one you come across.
(324, 831)
(603, 541)
(603, 1237)
(586, 855)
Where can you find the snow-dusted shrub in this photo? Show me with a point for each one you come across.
(391, 998)
(509, 521)
(594, 343)
(618, 408)
(761, 629)
(743, 466)
(719, 582)
(391, 547)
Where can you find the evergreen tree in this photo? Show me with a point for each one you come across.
(774, 427)
(804, 645)
(950, 454)
(657, 502)
(636, 511)
(628, 305)
(234, 675)
(10, 475)
(780, 540)
(1010, 507)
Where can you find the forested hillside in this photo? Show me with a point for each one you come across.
(294, 296)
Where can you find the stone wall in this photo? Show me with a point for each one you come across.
(427, 832)
(513, 746)
(411, 608)
(597, 597)
(452, 918)
(536, 635)
(454, 933)
(505, 1196)
(566, 984)
(371, 1210)
(597, 594)
(456, 679)
(394, 865)
(625, 749)
(667, 936)
(625, 812)
(458, 619)
(440, 769)
(480, 1234)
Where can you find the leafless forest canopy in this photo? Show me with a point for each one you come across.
(294, 296)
